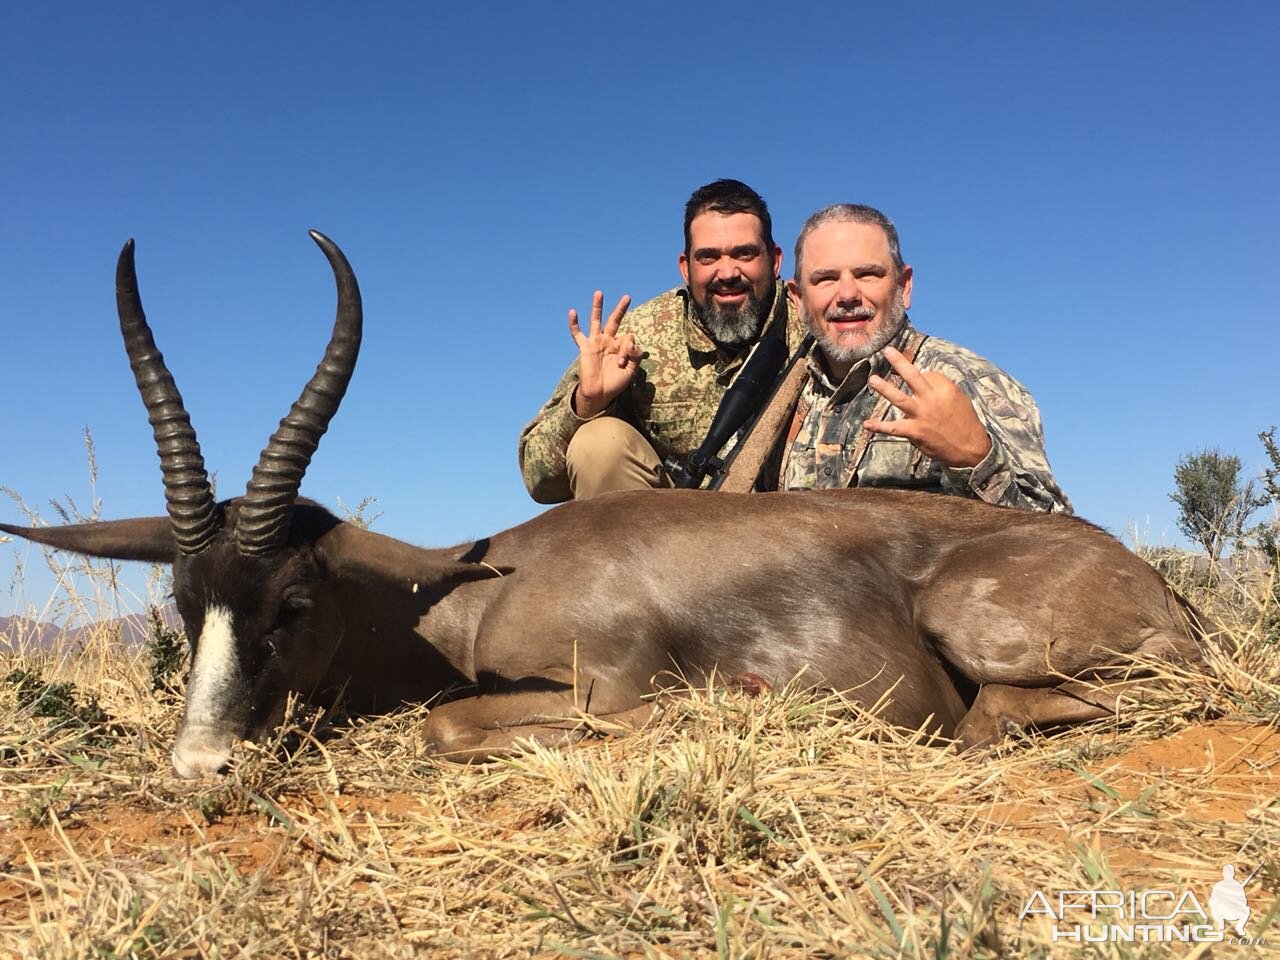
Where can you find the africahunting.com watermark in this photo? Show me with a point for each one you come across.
(1148, 916)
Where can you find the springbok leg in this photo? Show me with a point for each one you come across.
(486, 727)
(1001, 709)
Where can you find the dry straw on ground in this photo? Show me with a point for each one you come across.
(733, 826)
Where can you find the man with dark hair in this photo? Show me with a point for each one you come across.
(885, 405)
(647, 382)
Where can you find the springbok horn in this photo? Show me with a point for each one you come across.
(186, 484)
(265, 513)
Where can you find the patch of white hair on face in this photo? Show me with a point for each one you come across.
(216, 670)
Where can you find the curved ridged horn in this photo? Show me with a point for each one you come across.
(265, 513)
(186, 484)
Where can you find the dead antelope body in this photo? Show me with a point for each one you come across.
(966, 618)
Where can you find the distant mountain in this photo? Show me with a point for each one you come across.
(20, 630)
(133, 629)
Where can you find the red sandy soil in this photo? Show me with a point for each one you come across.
(1181, 788)
(1195, 780)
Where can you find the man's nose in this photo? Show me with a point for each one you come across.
(727, 268)
(848, 293)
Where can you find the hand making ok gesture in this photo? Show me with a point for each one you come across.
(606, 362)
(937, 416)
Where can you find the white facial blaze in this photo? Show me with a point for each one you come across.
(216, 671)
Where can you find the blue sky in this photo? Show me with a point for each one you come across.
(1087, 193)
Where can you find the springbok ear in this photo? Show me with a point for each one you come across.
(350, 550)
(146, 538)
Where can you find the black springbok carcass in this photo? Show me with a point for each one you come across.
(952, 615)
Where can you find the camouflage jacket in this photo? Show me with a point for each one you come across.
(1014, 473)
(671, 401)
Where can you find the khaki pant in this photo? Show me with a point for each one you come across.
(608, 454)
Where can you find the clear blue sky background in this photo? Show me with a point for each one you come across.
(1087, 192)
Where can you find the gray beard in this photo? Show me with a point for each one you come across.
(835, 350)
(731, 326)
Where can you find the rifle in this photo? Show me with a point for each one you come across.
(742, 466)
(744, 400)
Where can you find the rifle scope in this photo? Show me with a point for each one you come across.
(740, 402)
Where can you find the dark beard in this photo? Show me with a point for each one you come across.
(731, 326)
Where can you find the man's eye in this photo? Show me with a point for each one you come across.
(746, 253)
(706, 259)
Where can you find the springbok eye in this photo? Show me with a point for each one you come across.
(297, 601)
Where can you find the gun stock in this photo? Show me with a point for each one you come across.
(738, 472)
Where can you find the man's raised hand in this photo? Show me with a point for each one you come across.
(606, 362)
(937, 416)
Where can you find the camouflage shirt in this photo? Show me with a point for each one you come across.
(671, 401)
(826, 451)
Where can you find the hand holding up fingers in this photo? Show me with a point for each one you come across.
(606, 362)
(937, 416)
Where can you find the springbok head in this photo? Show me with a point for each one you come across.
(248, 580)
(260, 580)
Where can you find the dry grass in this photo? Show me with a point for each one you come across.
(737, 827)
